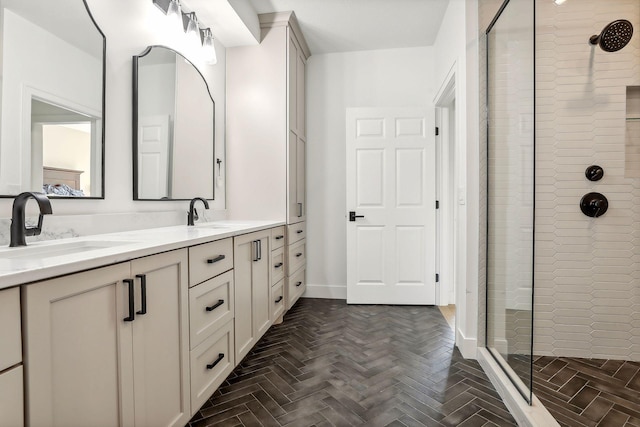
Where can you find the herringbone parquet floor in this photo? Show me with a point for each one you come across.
(589, 392)
(330, 364)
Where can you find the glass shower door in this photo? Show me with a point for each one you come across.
(510, 188)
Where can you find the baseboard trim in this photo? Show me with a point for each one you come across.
(535, 415)
(467, 346)
(325, 291)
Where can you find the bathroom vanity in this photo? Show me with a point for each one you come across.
(135, 328)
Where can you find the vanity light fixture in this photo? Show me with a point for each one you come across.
(559, 2)
(208, 47)
(171, 8)
(190, 21)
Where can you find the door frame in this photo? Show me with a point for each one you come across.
(453, 88)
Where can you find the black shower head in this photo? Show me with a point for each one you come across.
(614, 37)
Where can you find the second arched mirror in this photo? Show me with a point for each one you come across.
(173, 128)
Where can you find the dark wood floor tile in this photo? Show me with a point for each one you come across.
(597, 409)
(614, 418)
(396, 423)
(584, 397)
(496, 419)
(626, 372)
(331, 364)
(572, 387)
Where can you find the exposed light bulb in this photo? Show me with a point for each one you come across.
(193, 32)
(208, 48)
(174, 13)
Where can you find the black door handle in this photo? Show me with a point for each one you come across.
(132, 309)
(143, 290)
(353, 216)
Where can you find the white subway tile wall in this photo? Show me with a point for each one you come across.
(587, 284)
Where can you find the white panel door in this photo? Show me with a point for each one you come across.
(153, 157)
(391, 184)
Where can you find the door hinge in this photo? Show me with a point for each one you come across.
(437, 277)
(437, 204)
(437, 131)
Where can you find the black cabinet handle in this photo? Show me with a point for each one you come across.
(132, 309)
(215, 362)
(255, 248)
(278, 265)
(216, 305)
(216, 259)
(300, 231)
(259, 250)
(299, 254)
(299, 210)
(143, 290)
(279, 237)
(279, 299)
(298, 284)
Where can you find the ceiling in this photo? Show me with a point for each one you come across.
(351, 25)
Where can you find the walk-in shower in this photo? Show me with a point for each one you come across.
(563, 205)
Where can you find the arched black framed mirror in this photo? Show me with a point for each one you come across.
(53, 86)
(173, 128)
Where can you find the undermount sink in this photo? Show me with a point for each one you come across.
(54, 250)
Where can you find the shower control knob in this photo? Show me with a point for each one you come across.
(594, 173)
(594, 204)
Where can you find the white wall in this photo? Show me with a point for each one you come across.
(129, 27)
(337, 81)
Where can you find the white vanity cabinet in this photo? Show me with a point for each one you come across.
(11, 388)
(110, 346)
(252, 290)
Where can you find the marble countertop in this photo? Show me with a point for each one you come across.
(47, 259)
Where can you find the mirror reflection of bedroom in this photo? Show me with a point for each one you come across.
(64, 151)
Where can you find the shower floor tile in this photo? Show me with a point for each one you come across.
(589, 392)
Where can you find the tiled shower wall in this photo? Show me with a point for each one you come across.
(587, 284)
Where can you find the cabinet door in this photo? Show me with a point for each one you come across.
(292, 74)
(78, 350)
(261, 285)
(293, 209)
(11, 398)
(301, 65)
(300, 178)
(10, 332)
(161, 340)
(251, 277)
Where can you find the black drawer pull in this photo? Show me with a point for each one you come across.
(300, 231)
(298, 284)
(299, 254)
(143, 293)
(278, 265)
(132, 309)
(279, 299)
(279, 237)
(216, 305)
(216, 259)
(215, 362)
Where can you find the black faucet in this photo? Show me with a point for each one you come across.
(18, 228)
(192, 215)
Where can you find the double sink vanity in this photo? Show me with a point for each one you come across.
(140, 327)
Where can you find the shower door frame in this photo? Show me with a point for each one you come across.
(526, 394)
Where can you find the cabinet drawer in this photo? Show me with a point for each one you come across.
(211, 305)
(11, 398)
(297, 256)
(296, 284)
(209, 260)
(211, 362)
(296, 232)
(277, 300)
(277, 237)
(277, 265)
(10, 329)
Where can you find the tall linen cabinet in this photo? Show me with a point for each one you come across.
(266, 135)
